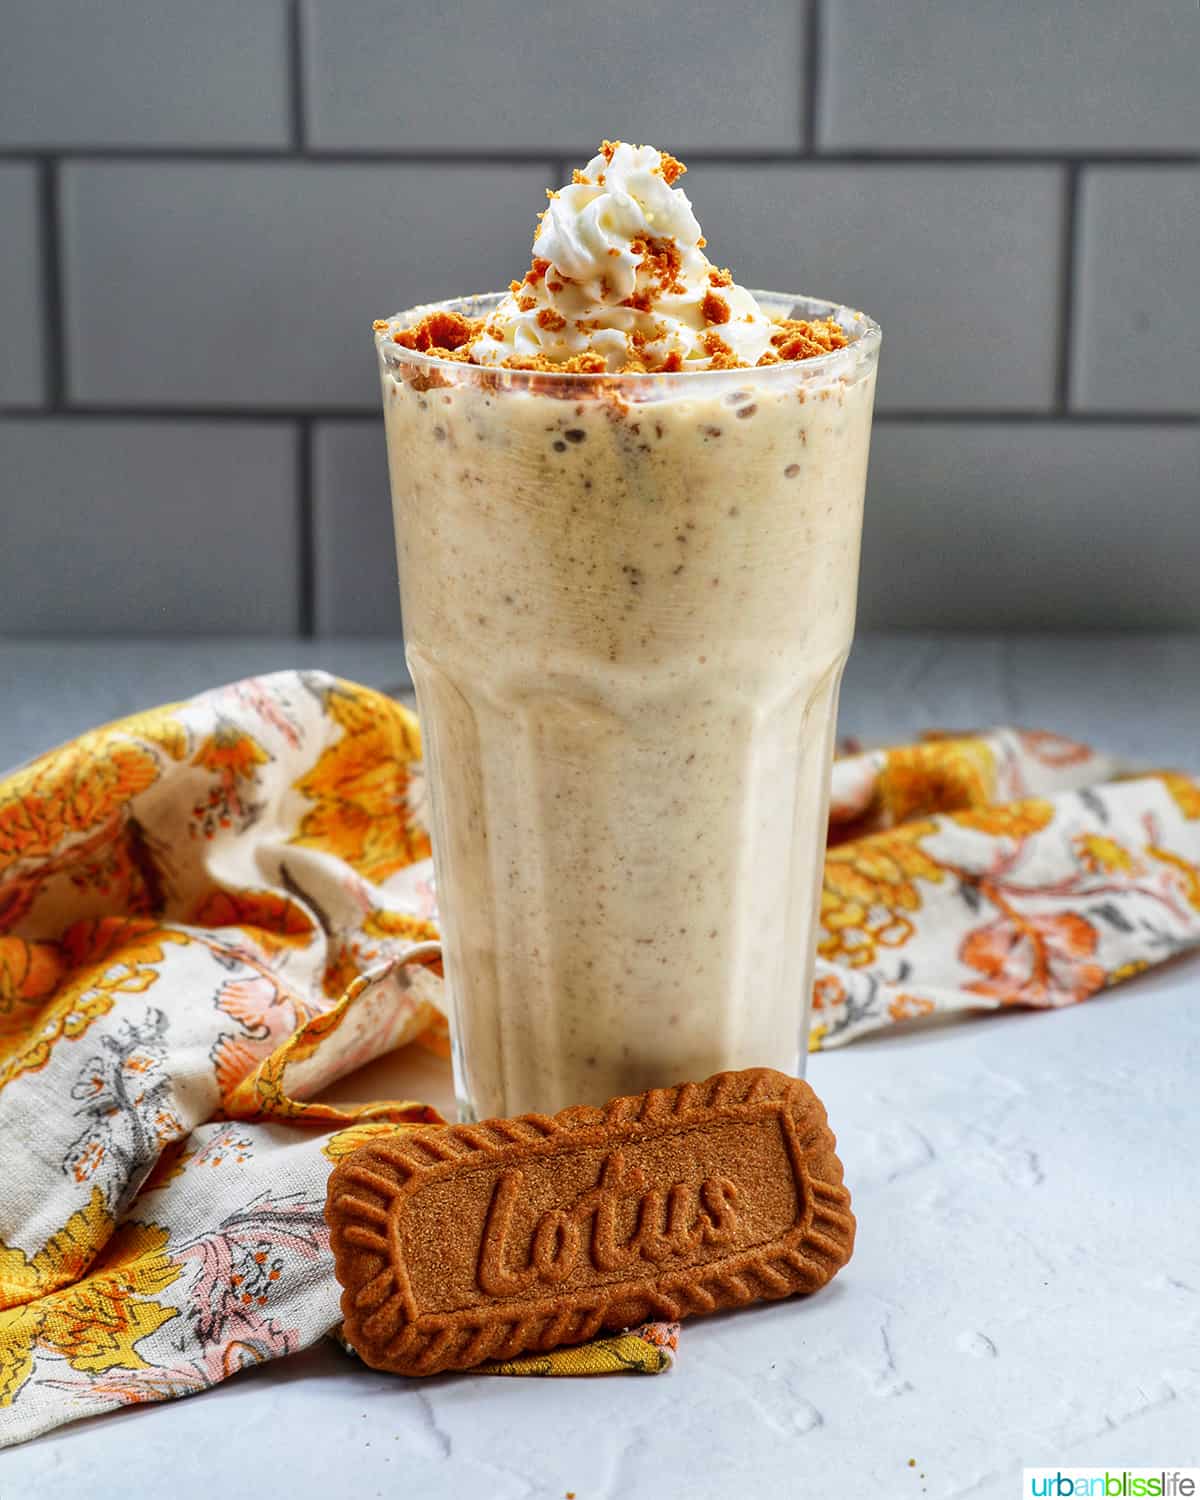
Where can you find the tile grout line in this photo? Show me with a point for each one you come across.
(295, 58)
(306, 530)
(532, 156)
(1067, 272)
(814, 42)
(54, 372)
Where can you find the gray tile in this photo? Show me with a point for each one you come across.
(144, 73)
(354, 561)
(148, 528)
(959, 264)
(1072, 75)
(1137, 306)
(21, 379)
(479, 73)
(1007, 526)
(254, 284)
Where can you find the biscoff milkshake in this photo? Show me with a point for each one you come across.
(628, 502)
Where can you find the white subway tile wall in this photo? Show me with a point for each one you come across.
(466, 74)
(22, 382)
(266, 275)
(1012, 523)
(1026, 75)
(144, 73)
(202, 208)
(149, 528)
(960, 264)
(354, 557)
(1137, 336)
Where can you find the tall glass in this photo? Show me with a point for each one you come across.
(627, 605)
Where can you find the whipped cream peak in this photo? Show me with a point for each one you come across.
(620, 280)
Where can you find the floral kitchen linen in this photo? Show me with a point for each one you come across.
(212, 911)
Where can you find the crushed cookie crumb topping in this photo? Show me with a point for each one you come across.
(438, 331)
(672, 169)
(799, 338)
(448, 335)
(720, 355)
(714, 308)
(587, 363)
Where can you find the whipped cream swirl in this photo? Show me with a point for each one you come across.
(619, 272)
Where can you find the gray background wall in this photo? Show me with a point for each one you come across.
(203, 206)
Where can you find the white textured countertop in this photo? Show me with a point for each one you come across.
(1026, 1283)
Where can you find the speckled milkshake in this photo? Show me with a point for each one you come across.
(628, 571)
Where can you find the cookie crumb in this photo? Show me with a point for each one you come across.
(714, 308)
(672, 168)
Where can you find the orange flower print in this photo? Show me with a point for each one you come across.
(70, 792)
(1013, 820)
(272, 919)
(1053, 749)
(908, 1007)
(938, 777)
(104, 958)
(828, 992)
(266, 1011)
(1034, 960)
(71, 810)
(88, 1161)
(233, 757)
(363, 786)
(29, 974)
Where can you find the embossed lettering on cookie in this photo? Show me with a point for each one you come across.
(462, 1243)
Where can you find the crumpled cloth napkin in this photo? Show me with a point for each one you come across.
(211, 911)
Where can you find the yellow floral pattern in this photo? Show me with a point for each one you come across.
(1012, 868)
(105, 959)
(940, 776)
(178, 1018)
(361, 787)
(87, 1295)
(212, 912)
(872, 892)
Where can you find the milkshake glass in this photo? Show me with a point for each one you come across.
(628, 600)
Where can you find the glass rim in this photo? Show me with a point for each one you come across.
(863, 332)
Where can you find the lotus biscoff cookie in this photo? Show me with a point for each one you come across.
(484, 1241)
